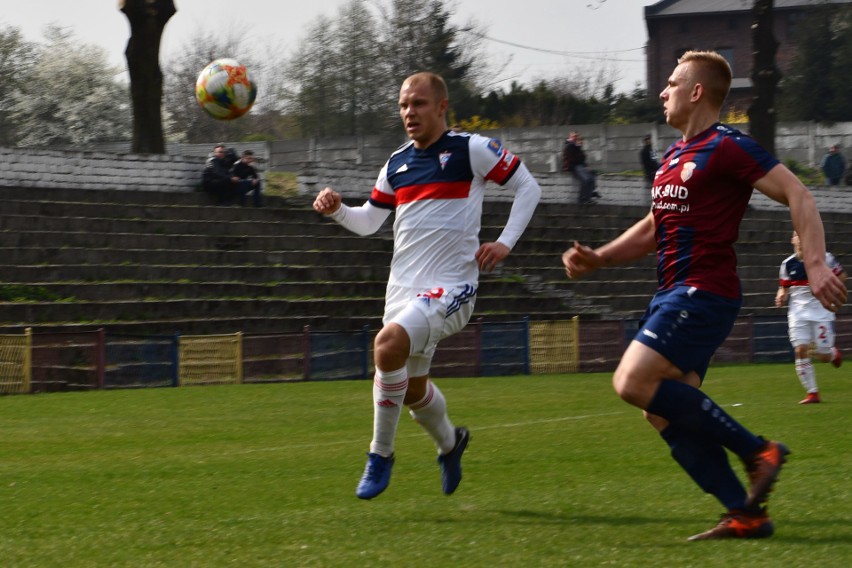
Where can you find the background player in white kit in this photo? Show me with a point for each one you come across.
(435, 184)
(807, 320)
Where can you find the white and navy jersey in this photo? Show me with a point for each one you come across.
(802, 304)
(437, 193)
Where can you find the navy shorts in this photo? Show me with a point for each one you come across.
(686, 326)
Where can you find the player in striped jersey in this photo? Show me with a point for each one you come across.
(435, 184)
(808, 321)
(699, 196)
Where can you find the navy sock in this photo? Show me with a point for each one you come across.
(694, 412)
(707, 464)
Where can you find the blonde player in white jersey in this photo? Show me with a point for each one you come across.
(808, 322)
(435, 184)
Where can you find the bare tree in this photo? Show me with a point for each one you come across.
(147, 20)
(185, 120)
(765, 76)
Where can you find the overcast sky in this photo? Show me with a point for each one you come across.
(538, 38)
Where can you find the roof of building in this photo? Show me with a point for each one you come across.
(685, 7)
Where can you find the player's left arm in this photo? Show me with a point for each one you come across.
(527, 193)
(784, 187)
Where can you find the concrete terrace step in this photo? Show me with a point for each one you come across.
(151, 262)
(187, 257)
(136, 290)
(211, 273)
(160, 309)
(122, 240)
(19, 313)
(217, 228)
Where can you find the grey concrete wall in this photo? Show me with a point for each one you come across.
(356, 182)
(182, 173)
(98, 170)
(610, 148)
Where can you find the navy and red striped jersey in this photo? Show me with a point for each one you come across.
(699, 196)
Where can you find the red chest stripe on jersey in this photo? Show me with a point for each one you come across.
(788, 283)
(437, 190)
(381, 198)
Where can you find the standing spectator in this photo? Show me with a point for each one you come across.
(574, 161)
(435, 185)
(216, 179)
(247, 179)
(708, 177)
(833, 165)
(648, 159)
(808, 321)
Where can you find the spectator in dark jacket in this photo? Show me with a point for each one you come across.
(216, 179)
(574, 161)
(650, 165)
(247, 179)
(833, 165)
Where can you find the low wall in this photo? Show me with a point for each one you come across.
(611, 148)
(99, 170)
(357, 183)
(21, 167)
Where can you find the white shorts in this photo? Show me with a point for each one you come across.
(805, 332)
(428, 316)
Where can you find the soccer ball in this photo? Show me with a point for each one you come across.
(224, 90)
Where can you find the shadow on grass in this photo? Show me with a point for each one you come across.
(527, 516)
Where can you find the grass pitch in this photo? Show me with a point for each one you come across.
(559, 472)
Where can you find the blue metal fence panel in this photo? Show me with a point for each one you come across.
(338, 355)
(504, 350)
(139, 361)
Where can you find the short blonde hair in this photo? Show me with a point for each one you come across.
(712, 71)
(435, 81)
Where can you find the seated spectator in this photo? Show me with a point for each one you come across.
(833, 165)
(574, 161)
(217, 180)
(247, 179)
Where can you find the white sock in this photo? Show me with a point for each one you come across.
(807, 375)
(431, 413)
(388, 394)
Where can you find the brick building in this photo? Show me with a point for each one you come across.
(676, 26)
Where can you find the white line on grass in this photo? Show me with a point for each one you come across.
(419, 434)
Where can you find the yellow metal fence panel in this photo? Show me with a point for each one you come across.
(555, 346)
(16, 362)
(210, 359)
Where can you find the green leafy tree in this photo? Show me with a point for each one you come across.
(419, 36)
(364, 85)
(635, 107)
(17, 59)
(817, 85)
(344, 77)
(71, 97)
(316, 84)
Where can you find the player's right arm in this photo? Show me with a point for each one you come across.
(363, 220)
(634, 243)
(783, 291)
(781, 296)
